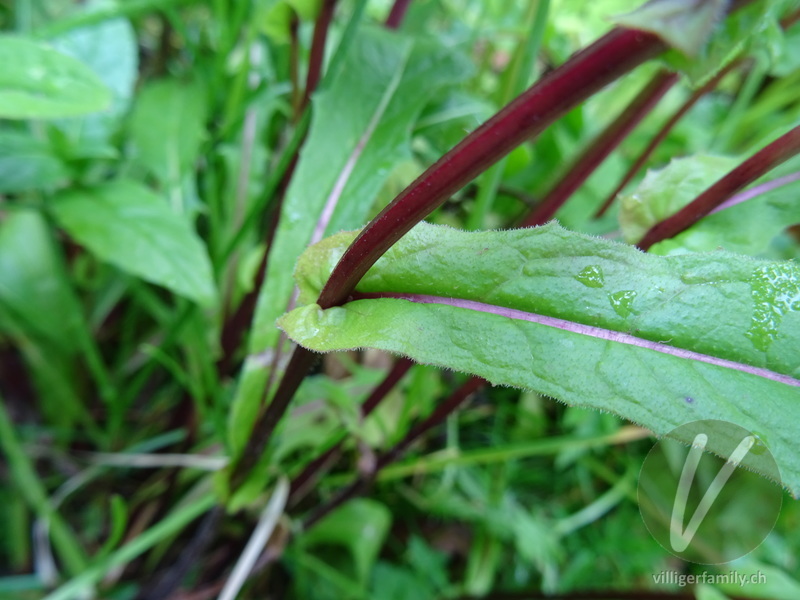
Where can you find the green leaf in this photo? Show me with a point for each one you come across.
(763, 582)
(706, 592)
(167, 127)
(38, 82)
(34, 288)
(361, 128)
(109, 48)
(747, 228)
(660, 341)
(704, 42)
(27, 163)
(129, 226)
(360, 527)
(351, 143)
(274, 17)
(684, 24)
(663, 192)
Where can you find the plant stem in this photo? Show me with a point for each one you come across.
(294, 67)
(710, 85)
(300, 363)
(317, 56)
(397, 14)
(435, 419)
(746, 173)
(585, 73)
(758, 190)
(312, 470)
(601, 147)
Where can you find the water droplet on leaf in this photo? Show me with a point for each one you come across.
(591, 276)
(622, 302)
(775, 290)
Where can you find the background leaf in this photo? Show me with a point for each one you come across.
(167, 127)
(663, 192)
(34, 289)
(126, 224)
(747, 227)
(39, 82)
(109, 49)
(28, 163)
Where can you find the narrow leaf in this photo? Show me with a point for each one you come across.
(658, 340)
(129, 226)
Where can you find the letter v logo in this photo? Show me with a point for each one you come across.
(680, 538)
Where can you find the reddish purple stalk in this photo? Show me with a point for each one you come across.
(397, 14)
(757, 191)
(766, 159)
(662, 134)
(317, 56)
(601, 147)
(313, 469)
(587, 72)
(435, 419)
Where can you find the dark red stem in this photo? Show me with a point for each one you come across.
(317, 55)
(299, 364)
(435, 419)
(590, 70)
(766, 159)
(294, 67)
(601, 147)
(397, 14)
(710, 85)
(322, 462)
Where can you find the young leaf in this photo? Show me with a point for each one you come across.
(360, 130)
(358, 527)
(126, 224)
(658, 340)
(39, 82)
(665, 191)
